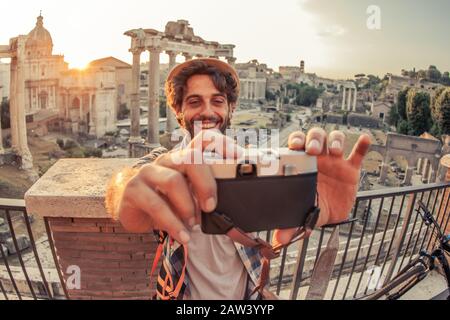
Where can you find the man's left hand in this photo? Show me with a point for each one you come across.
(338, 178)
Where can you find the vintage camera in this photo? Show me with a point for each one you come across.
(265, 189)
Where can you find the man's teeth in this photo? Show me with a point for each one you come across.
(209, 125)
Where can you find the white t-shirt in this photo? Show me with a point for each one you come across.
(214, 269)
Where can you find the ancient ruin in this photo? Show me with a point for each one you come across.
(178, 38)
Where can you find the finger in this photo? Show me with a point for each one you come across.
(283, 237)
(336, 142)
(214, 141)
(360, 150)
(199, 175)
(297, 141)
(173, 185)
(158, 209)
(316, 142)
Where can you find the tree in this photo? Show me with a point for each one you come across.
(418, 112)
(6, 122)
(308, 95)
(434, 107)
(270, 96)
(394, 117)
(445, 80)
(403, 127)
(401, 103)
(433, 74)
(442, 106)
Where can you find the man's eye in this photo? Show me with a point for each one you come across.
(194, 102)
(219, 101)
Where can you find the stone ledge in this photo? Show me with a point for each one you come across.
(74, 188)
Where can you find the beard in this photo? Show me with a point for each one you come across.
(196, 124)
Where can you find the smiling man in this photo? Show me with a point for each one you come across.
(161, 193)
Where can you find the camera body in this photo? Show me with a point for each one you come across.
(265, 189)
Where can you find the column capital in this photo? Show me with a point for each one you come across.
(136, 51)
(171, 53)
(231, 60)
(187, 56)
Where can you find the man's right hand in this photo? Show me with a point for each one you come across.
(170, 193)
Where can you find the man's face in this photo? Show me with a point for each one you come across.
(204, 107)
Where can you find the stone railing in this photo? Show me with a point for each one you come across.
(96, 257)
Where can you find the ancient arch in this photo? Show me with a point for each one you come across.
(412, 149)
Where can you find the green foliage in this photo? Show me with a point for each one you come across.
(401, 103)
(433, 74)
(270, 96)
(442, 106)
(6, 122)
(403, 127)
(394, 116)
(308, 95)
(418, 112)
(434, 104)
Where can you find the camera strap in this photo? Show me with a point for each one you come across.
(269, 252)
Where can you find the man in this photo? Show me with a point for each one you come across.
(166, 194)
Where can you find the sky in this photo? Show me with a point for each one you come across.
(332, 37)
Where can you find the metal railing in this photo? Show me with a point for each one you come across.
(22, 275)
(386, 235)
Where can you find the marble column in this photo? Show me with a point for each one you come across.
(432, 176)
(408, 176)
(231, 61)
(354, 99)
(2, 151)
(426, 171)
(91, 117)
(187, 56)
(135, 112)
(171, 122)
(17, 107)
(153, 99)
(343, 98)
(419, 166)
(383, 173)
(349, 99)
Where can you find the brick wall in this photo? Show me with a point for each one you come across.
(114, 264)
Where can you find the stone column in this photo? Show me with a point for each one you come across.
(91, 117)
(17, 107)
(408, 176)
(426, 171)
(231, 61)
(153, 99)
(383, 173)
(349, 99)
(187, 56)
(432, 177)
(354, 99)
(2, 151)
(343, 98)
(13, 106)
(135, 134)
(171, 120)
(419, 166)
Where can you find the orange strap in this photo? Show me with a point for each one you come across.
(167, 283)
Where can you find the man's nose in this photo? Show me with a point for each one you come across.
(208, 109)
